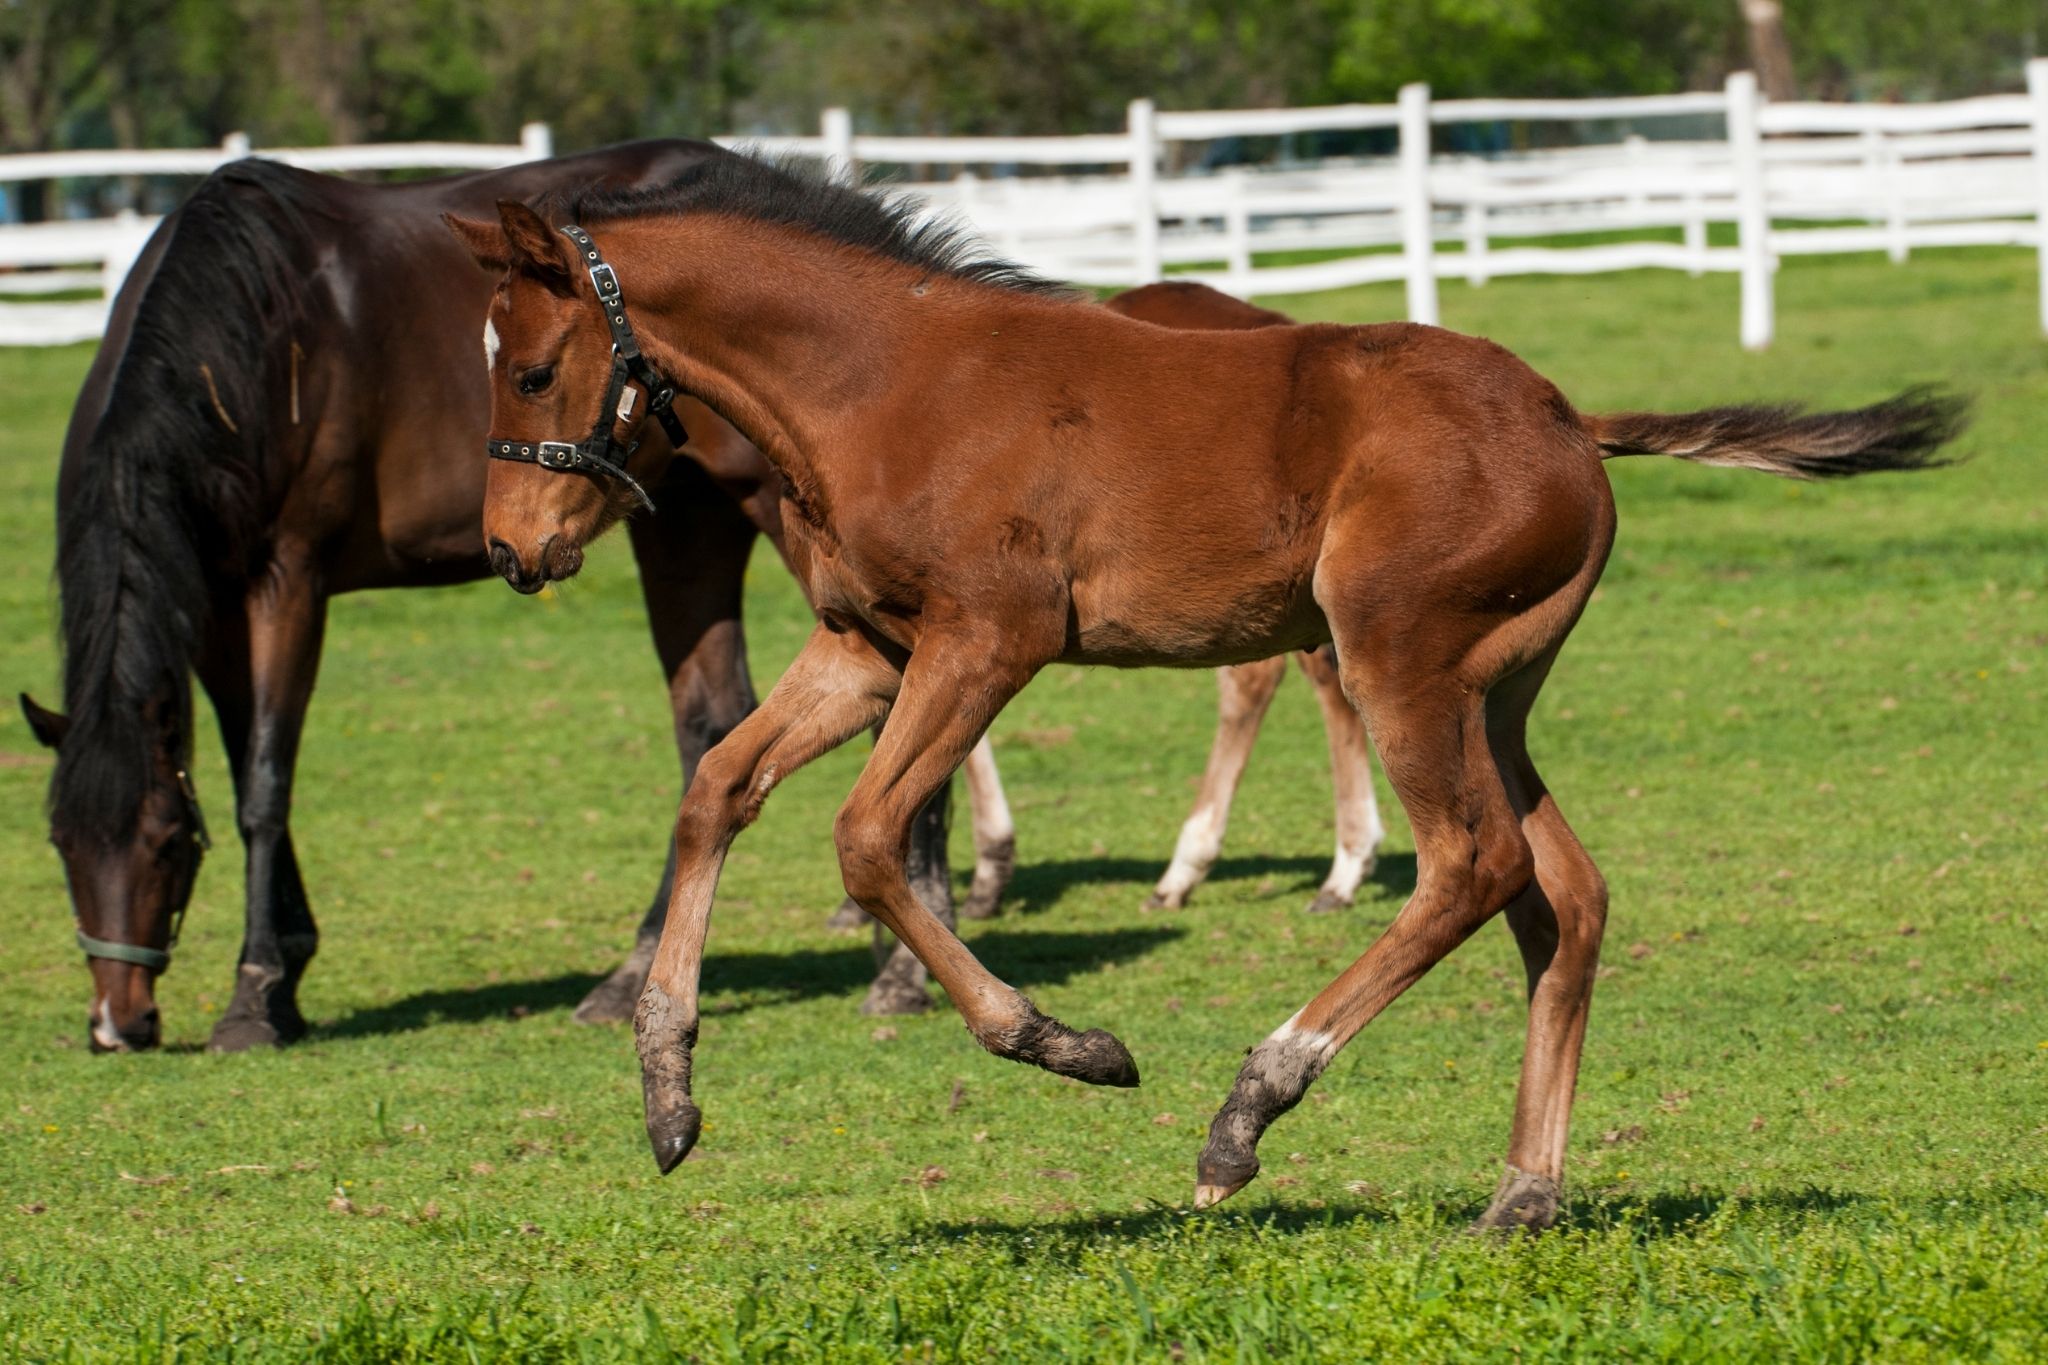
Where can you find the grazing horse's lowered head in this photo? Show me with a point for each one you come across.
(536, 523)
(131, 854)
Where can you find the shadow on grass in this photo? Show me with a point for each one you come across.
(736, 982)
(1650, 1216)
(1038, 886)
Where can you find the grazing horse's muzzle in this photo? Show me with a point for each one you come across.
(553, 559)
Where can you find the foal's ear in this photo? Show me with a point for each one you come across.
(485, 241)
(536, 247)
(50, 726)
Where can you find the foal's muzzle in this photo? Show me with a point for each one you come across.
(553, 560)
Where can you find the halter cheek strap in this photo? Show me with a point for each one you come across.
(593, 454)
(154, 959)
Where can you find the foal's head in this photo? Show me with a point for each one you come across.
(549, 353)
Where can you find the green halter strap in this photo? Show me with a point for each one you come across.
(153, 959)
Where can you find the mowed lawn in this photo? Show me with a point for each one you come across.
(1801, 728)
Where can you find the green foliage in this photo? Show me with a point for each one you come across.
(171, 72)
(1799, 727)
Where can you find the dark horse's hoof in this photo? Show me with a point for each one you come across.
(848, 917)
(263, 1014)
(890, 996)
(611, 1001)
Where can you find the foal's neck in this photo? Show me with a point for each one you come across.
(798, 341)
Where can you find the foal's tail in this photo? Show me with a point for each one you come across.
(1904, 432)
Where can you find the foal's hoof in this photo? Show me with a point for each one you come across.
(982, 903)
(1523, 1202)
(1328, 902)
(1218, 1176)
(1095, 1057)
(849, 916)
(1160, 900)
(672, 1129)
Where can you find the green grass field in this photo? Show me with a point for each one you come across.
(1801, 728)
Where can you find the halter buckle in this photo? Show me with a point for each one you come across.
(605, 280)
(556, 455)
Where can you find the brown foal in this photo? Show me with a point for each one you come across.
(983, 475)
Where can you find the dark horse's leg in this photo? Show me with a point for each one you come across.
(692, 551)
(259, 671)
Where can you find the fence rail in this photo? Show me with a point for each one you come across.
(1792, 178)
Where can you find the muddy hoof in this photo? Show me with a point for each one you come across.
(848, 917)
(1524, 1202)
(1328, 902)
(612, 1000)
(1102, 1060)
(887, 997)
(1218, 1175)
(244, 1033)
(1159, 900)
(672, 1129)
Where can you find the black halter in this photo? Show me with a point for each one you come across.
(592, 454)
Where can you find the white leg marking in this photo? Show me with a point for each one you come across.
(1201, 839)
(1291, 1035)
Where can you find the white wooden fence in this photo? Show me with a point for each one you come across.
(1792, 178)
(95, 255)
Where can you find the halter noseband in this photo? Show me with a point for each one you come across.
(154, 959)
(592, 454)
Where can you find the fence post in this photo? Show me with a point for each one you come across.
(1143, 126)
(1752, 216)
(1418, 239)
(2037, 89)
(537, 140)
(1695, 231)
(235, 146)
(1237, 233)
(835, 125)
(1475, 239)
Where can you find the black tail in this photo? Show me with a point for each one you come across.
(1900, 433)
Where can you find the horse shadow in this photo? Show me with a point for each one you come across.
(738, 982)
(1039, 885)
(1648, 1217)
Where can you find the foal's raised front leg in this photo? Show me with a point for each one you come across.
(1243, 693)
(836, 687)
(1358, 814)
(952, 688)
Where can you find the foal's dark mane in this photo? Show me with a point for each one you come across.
(174, 482)
(792, 193)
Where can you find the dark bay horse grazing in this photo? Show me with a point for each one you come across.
(1244, 691)
(983, 475)
(267, 423)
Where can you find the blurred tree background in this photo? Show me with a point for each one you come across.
(187, 72)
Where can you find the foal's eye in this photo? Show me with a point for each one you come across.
(536, 380)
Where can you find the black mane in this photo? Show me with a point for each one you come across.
(794, 194)
(170, 488)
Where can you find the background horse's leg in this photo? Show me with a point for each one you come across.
(1243, 694)
(692, 552)
(837, 686)
(952, 688)
(1558, 923)
(899, 985)
(995, 834)
(275, 656)
(1358, 814)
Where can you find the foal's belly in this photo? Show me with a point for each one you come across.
(1181, 615)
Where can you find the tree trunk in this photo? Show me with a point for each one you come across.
(1768, 50)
